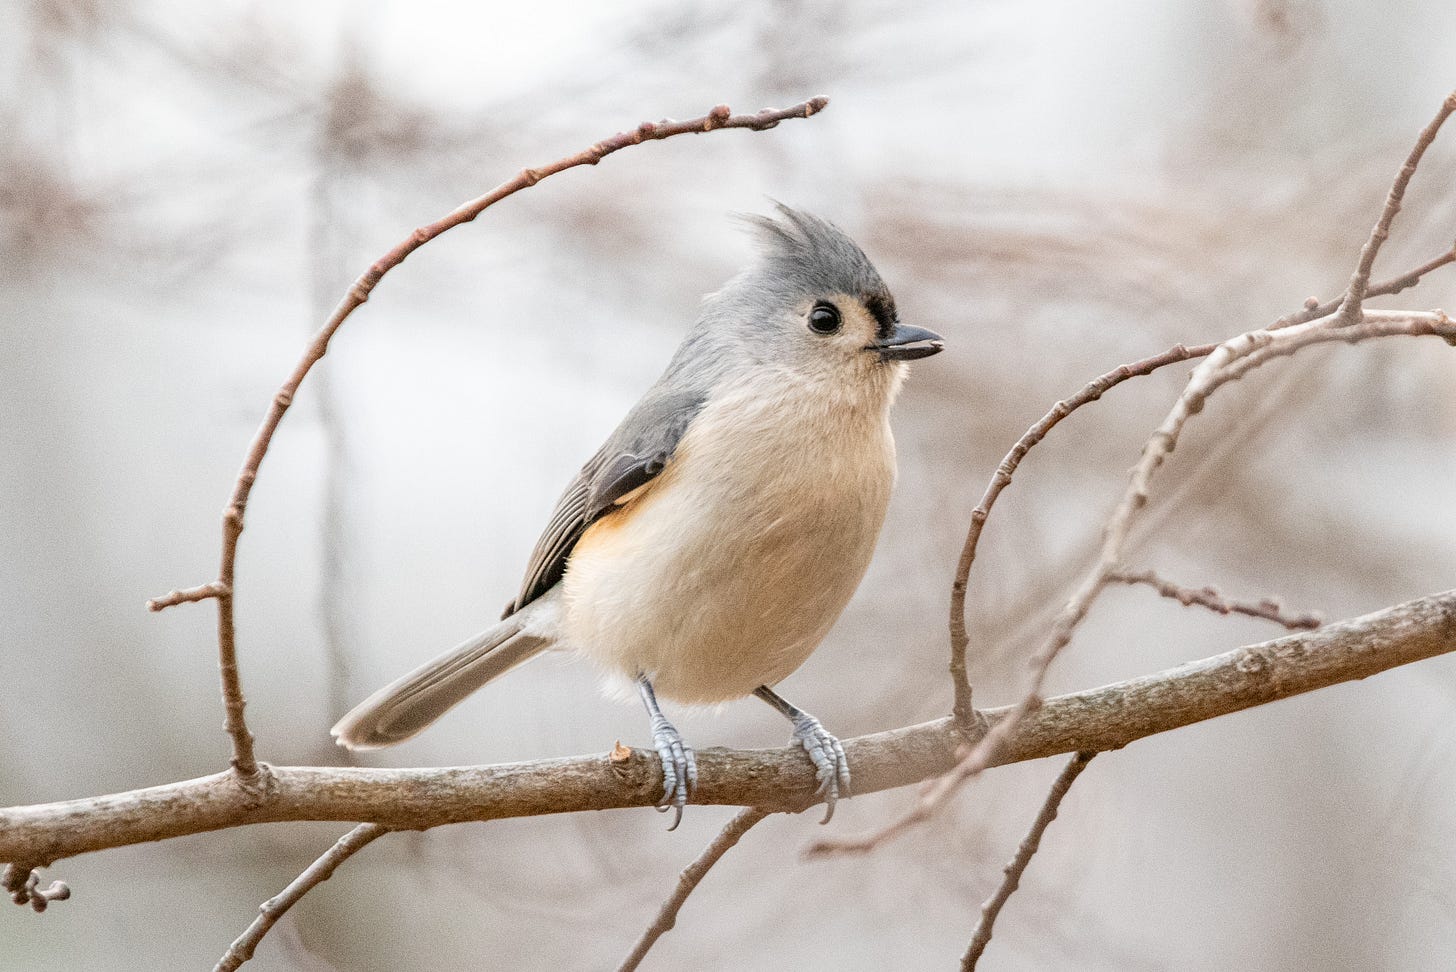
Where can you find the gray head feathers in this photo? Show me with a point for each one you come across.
(803, 254)
(801, 259)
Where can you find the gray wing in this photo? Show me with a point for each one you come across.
(638, 450)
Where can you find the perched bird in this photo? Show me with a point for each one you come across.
(706, 549)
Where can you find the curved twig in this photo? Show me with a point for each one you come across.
(1091, 392)
(959, 636)
(1229, 362)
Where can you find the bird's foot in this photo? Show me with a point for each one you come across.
(830, 763)
(679, 768)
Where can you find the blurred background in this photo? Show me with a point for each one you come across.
(186, 189)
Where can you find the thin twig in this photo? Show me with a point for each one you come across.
(1229, 362)
(690, 878)
(1313, 309)
(185, 596)
(1095, 389)
(1355, 295)
(1017, 865)
(1208, 597)
(959, 636)
(243, 760)
(275, 907)
(1349, 309)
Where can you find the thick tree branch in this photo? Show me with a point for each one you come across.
(776, 779)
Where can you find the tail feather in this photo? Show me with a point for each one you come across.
(410, 703)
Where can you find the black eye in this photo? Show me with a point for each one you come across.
(824, 318)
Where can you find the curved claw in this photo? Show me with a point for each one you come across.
(679, 769)
(830, 764)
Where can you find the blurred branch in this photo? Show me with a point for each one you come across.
(244, 763)
(1229, 362)
(688, 881)
(1024, 853)
(1341, 312)
(340, 135)
(1353, 303)
(1267, 608)
(772, 780)
(274, 908)
(1095, 389)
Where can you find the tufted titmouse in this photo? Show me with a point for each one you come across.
(709, 546)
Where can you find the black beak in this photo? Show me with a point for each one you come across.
(906, 343)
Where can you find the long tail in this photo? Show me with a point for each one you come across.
(407, 705)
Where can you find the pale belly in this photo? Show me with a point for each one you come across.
(727, 577)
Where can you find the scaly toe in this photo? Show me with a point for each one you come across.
(679, 769)
(830, 765)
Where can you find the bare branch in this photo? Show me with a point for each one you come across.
(1017, 865)
(690, 878)
(185, 596)
(243, 760)
(1313, 308)
(775, 779)
(1229, 362)
(274, 908)
(1267, 608)
(1353, 303)
(1095, 389)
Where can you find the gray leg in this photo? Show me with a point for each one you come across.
(679, 765)
(826, 752)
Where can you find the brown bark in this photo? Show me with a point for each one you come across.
(772, 779)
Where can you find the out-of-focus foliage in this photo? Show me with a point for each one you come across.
(1057, 187)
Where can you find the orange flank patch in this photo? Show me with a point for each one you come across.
(607, 529)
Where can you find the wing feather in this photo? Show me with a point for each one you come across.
(633, 455)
